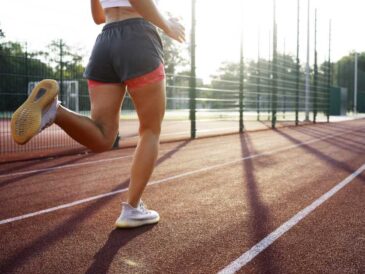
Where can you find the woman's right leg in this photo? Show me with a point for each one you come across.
(98, 132)
(150, 104)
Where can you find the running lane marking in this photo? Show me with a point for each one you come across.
(48, 169)
(246, 257)
(82, 201)
(62, 166)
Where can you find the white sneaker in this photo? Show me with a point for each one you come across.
(133, 217)
(36, 113)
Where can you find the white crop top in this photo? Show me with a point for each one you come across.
(117, 3)
(114, 3)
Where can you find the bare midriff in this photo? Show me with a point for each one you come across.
(120, 14)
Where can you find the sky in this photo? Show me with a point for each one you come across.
(219, 24)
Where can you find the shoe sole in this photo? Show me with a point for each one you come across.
(132, 224)
(26, 120)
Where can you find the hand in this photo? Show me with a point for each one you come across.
(175, 30)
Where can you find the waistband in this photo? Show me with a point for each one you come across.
(127, 22)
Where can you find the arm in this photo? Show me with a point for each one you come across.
(97, 12)
(149, 11)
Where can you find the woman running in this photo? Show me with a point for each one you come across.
(127, 55)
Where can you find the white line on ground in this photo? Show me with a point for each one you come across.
(78, 202)
(246, 257)
(48, 169)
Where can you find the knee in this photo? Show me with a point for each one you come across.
(103, 146)
(154, 131)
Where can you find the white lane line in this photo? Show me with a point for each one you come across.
(41, 212)
(44, 170)
(47, 169)
(246, 257)
(62, 166)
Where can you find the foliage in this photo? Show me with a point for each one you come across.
(173, 54)
(344, 75)
(18, 68)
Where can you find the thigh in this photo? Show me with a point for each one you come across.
(150, 103)
(106, 101)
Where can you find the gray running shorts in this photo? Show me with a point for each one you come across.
(125, 50)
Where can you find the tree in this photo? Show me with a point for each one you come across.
(257, 82)
(175, 56)
(17, 70)
(65, 60)
(344, 75)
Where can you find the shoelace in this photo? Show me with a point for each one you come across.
(143, 207)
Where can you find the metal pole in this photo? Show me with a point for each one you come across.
(297, 71)
(269, 81)
(284, 80)
(307, 84)
(329, 72)
(258, 88)
(26, 67)
(61, 68)
(315, 84)
(355, 84)
(241, 107)
(274, 72)
(192, 92)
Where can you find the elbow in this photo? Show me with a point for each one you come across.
(98, 20)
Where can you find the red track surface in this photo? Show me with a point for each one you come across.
(54, 141)
(217, 198)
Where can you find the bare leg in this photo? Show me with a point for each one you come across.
(98, 132)
(150, 105)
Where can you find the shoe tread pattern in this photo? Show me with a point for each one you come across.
(26, 120)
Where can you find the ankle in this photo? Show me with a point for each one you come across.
(133, 203)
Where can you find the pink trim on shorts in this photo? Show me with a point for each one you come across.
(93, 83)
(150, 78)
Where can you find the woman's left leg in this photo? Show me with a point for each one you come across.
(98, 132)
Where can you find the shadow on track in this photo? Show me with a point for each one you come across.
(43, 242)
(16, 178)
(325, 158)
(342, 142)
(117, 239)
(261, 224)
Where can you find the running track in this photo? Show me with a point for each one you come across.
(276, 201)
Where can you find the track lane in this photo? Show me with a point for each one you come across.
(329, 240)
(254, 194)
(71, 188)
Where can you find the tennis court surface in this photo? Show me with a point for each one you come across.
(289, 200)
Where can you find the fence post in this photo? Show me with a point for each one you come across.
(315, 80)
(297, 70)
(61, 68)
(192, 81)
(26, 67)
(241, 106)
(258, 88)
(329, 73)
(274, 72)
